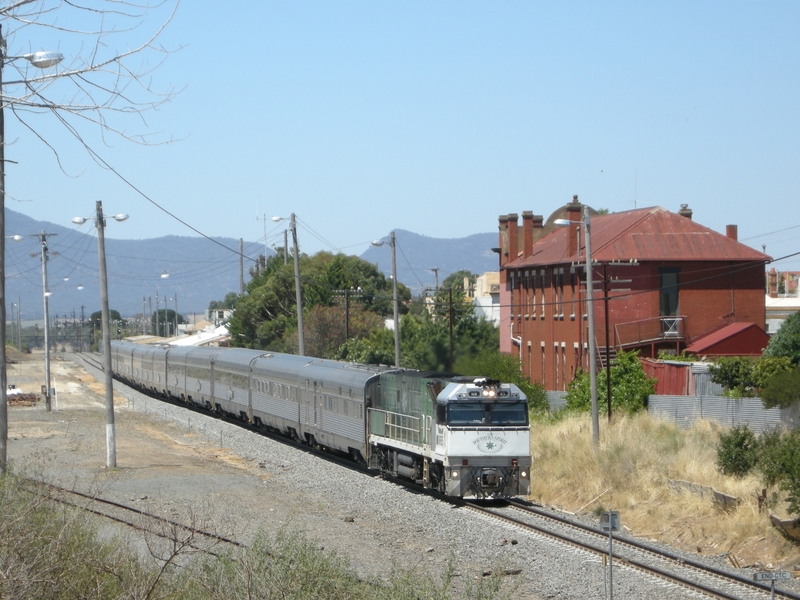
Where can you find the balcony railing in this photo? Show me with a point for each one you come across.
(648, 331)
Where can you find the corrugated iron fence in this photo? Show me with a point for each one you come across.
(731, 412)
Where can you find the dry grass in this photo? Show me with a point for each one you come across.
(637, 458)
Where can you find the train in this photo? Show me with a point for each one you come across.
(466, 437)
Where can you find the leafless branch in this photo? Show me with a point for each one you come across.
(107, 81)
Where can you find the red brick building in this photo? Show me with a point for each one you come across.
(664, 282)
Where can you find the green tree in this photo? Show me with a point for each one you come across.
(786, 341)
(782, 390)
(630, 386)
(735, 374)
(165, 319)
(266, 315)
(228, 302)
(96, 318)
(767, 367)
(737, 451)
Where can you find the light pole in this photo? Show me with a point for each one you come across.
(587, 224)
(393, 245)
(99, 222)
(46, 293)
(297, 289)
(41, 60)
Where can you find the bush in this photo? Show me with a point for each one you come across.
(782, 390)
(737, 451)
(771, 457)
(630, 386)
(767, 367)
(735, 374)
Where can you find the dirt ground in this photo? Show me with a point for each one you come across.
(181, 472)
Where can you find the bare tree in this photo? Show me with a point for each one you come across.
(102, 88)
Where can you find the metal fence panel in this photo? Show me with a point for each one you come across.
(731, 412)
(556, 400)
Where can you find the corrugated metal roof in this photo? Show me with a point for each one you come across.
(645, 234)
(706, 342)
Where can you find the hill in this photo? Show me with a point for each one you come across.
(199, 270)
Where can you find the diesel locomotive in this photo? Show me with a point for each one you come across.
(463, 436)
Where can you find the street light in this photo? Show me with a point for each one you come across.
(393, 245)
(587, 224)
(100, 223)
(299, 298)
(41, 60)
(46, 293)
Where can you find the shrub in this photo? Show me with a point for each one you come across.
(771, 457)
(735, 374)
(630, 386)
(767, 367)
(737, 451)
(790, 460)
(782, 390)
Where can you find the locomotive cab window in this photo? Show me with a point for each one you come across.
(487, 413)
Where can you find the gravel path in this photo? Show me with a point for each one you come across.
(190, 466)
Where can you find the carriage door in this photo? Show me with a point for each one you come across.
(307, 399)
(317, 405)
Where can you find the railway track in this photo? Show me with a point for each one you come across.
(187, 536)
(628, 553)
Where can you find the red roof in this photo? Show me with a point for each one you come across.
(646, 234)
(735, 339)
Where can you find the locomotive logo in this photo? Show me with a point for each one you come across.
(489, 444)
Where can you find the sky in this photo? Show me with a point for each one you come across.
(434, 117)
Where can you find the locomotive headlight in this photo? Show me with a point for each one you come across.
(523, 474)
(454, 474)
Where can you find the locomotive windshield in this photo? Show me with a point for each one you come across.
(487, 413)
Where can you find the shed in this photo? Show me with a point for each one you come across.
(734, 339)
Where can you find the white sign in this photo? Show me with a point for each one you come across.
(772, 576)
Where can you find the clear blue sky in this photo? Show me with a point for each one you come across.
(436, 117)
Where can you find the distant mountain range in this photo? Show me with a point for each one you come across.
(198, 269)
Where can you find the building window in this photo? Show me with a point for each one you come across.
(542, 286)
(512, 294)
(669, 291)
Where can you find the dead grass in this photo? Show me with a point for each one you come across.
(631, 472)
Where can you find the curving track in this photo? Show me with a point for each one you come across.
(629, 553)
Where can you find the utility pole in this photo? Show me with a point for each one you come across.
(451, 328)
(241, 266)
(299, 299)
(436, 276)
(42, 237)
(80, 337)
(176, 313)
(19, 323)
(158, 333)
(264, 218)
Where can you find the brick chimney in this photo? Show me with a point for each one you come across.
(772, 283)
(685, 211)
(513, 236)
(527, 233)
(732, 231)
(538, 226)
(573, 214)
(503, 241)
